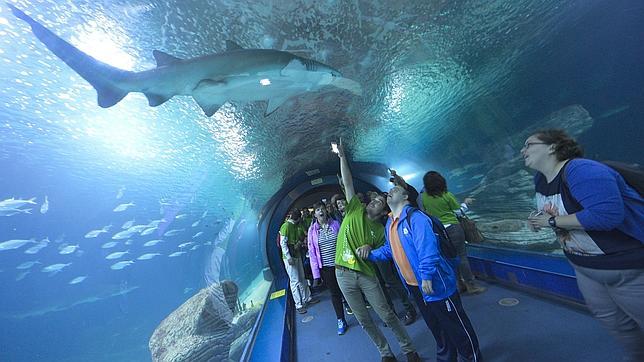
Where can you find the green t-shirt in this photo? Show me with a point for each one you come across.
(293, 233)
(357, 230)
(442, 207)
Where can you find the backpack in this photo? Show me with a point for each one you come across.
(633, 174)
(446, 246)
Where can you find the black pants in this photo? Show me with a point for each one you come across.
(391, 283)
(452, 330)
(328, 275)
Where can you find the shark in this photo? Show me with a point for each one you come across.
(237, 74)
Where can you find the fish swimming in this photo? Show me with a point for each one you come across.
(197, 235)
(173, 232)
(121, 264)
(77, 280)
(125, 234)
(109, 244)
(95, 233)
(128, 224)
(27, 265)
(119, 194)
(14, 203)
(152, 242)
(238, 74)
(117, 255)
(123, 207)
(181, 216)
(11, 212)
(39, 246)
(45, 206)
(14, 244)
(196, 223)
(69, 249)
(148, 231)
(147, 256)
(185, 245)
(175, 254)
(55, 268)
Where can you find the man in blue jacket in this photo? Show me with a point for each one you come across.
(429, 277)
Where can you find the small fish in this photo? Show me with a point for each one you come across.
(152, 242)
(45, 206)
(14, 203)
(128, 224)
(147, 256)
(196, 223)
(110, 244)
(117, 255)
(204, 214)
(195, 247)
(125, 234)
(55, 268)
(123, 207)
(148, 231)
(27, 265)
(155, 223)
(197, 235)
(119, 194)
(35, 249)
(181, 216)
(69, 249)
(12, 212)
(185, 245)
(95, 233)
(175, 254)
(129, 242)
(77, 280)
(22, 275)
(121, 264)
(14, 244)
(173, 232)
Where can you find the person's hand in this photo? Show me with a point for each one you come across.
(538, 220)
(363, 251)
(469, 200)
(317, 282)
(291, 261)
(427, 287)
(340, 149)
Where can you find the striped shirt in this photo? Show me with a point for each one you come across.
(326, 242)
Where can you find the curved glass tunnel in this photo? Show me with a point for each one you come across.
(134, 217)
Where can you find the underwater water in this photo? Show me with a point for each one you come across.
(454, 86)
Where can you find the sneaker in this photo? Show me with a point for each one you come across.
(368, 307)
(408, 318)
(412, 357)
(348, 310)
(313, 301)
(473, 288)
(301, 310)
(342, 327)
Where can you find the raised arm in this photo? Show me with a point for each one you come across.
(345, 171)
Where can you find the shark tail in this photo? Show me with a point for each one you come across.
(97, 73)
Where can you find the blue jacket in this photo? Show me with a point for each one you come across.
(422, 249)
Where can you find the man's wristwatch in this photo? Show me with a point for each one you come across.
(552, 222)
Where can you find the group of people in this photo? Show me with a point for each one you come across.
(366, 247)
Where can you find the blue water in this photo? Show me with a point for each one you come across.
(449, 86)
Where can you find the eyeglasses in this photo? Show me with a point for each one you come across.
(528, 144)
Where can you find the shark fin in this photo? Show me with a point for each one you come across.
(156, 99)
(164, 58)
(231, 45)
(208, 106)
(295, 65)
(108, 96)
(274, 104)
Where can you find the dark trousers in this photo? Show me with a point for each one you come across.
(328, 275)
(390, 282)
(452, 330)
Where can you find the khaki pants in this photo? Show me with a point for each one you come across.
(353, 284)
(299, 286)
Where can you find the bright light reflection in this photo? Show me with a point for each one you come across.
(265, 81)
(103, 47)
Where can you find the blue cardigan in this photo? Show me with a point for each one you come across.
(421, 246)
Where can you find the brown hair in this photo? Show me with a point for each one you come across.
(435, 184)
(565, 146)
